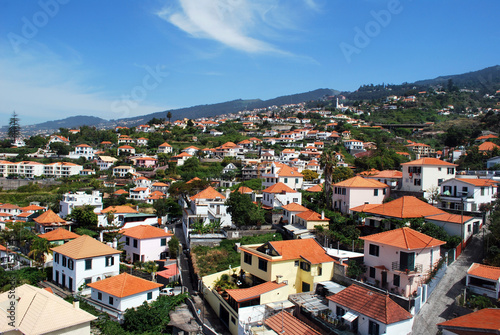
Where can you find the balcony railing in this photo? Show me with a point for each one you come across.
(418, 268)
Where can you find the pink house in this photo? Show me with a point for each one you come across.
(145, 243)
(145, 162)
(400, 260)
(357, 191)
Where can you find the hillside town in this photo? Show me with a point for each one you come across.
(334, 216)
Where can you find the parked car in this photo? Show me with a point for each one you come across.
(170, 291)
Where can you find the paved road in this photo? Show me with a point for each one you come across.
(440, 306)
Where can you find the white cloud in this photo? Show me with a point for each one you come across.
(238, 24)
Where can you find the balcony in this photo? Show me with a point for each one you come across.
(418, 268)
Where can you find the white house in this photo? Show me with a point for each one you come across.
(126, 150)
(353, 144)
(82, 261)
(117, 213)
(281, 173)
(105, 162)
(279, 195)
(192, 150)
(61, 169)
(426, 174)
(484, 321)
(369, 313)
(400, 260)
(142, 141)
(467, 194)
(58, 139)
(122, 171)
(123, 291)
(145, 243)
(181, 158)
(164, 148)
(208, 205)
(357, 191)
(79, 199)
(83, 150)
(484, 280)
(139, 193)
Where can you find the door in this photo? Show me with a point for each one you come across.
(384, 279)
(70, 283)
(135, 258)
(63, 280)
(306, 287)
(406, 261)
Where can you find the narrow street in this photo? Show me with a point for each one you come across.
(440, 306)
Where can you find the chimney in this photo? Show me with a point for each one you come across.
(322, 215)
(166, 230)
(278, 279)
(76, 304)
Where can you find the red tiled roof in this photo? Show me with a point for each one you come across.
(59, 234)
(478, 182)
(208, 193)
(119, 209)
(244, 190)
(429, 161)
(360, 182)
(364, 208)
(315, 188)
(125, 147)
(85, 247)
(487, 320)
(244, 294)
(487, 146)
(388, 174)
(308, 249)
(124, 285)
(404, 238)
(279, 188)
(484, 271)
(310, 215)
(144, 232)
(404, 207)
(284, 323)
(447, 217)
(49, 217)
(374, 305)
(170, 271)
(32, 208)
(295, 207)
(120, 192)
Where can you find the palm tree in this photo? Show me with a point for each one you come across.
(328, 162)
(39, 247)
(169, 116)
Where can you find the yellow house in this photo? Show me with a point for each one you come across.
(299, 263)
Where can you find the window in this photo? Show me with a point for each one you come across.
(439, 169)
(296, 200)
(339, 311)
(372, 272)
(135, 243)
(110, 300)
(296, 180)
(99, 296)
(306, 287)
(396, 280)
(163, 242)
(286, 180)
(127, 241)
(374, 250)
(296, 263)
(110, 261)
(88, 280)
(262, 264)
(88, 264)
(482, 190)
(343, 191)
(70, 264)
(373, 328)
(233, 320)
(375, 192)
(469, 228)
(465, 190)
(247, 258)
(150, 295)
(56, 279)
(384, 191)
(64, 261)
(416, 182)
(440, 181)
(451, 170)
(305, 266)
(56, 258)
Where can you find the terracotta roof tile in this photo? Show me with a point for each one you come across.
(388, 174)
(295, 207)
(49, 217)
(170, 271)
(404, 207)
(429, 161)
(484, 271)
(119, 209)
(279, 188)
(144, 232)
(308, 249)
(32, 208)
(120, 192)
(244, 294)
(484, 319)
(244, 190)
(374, 305)
(488, 146)
(315, 188)
(404, 238)
(479, 182)
(85, 247)
(360, 182)
(124, 285)
(208, 193)
(284, 323)
(310, 215)
(447, 217)
(58, 235)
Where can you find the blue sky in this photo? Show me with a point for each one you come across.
(115, 59)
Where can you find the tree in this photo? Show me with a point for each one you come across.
(328, 161)
(173, 246)
(14, 127)
(163, 207)
(243, 210)
(59, 148)
(169, 117)
(38, 248)
(341, 173)
(309, 175)
(84, 217)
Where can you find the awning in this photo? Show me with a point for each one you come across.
(350, 316)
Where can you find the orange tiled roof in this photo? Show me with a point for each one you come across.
(120, 192)
(285, 323)
(59, 234)
(388, 174)
(404, 207)
(144, 232)
(244, 190)
(310, 215)
(295, 207)
(429, 161)
(85, 247)
(32, 208)
(360, 182)
(315, 188)
(244, 294)
(125, 147)
(279, 188)
(208, 193)
(49, 217)
(447, 217)
(478, 182)
(159, 184)
(124, 285)
(482, 320)
(9, 206)
(139, 189)
(192, 180)
(404, 238)
(170, 271)
(119, 209)
(484, 271)
(308, 249)
(286, 171)
(487, 146)
(374, 305)
(165, 145)
(22, 215)
(485, 137)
